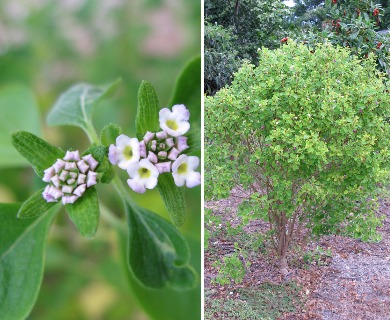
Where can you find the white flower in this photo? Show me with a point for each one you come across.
(182, 143)
(183, 171)
(51, 194)
(125, 152)
(69, 199)
(80, 190)
(92, 163)
(169, 142)
(173, 154)
(152, 157)
(161, 135)
(72, 156)
(83, 167)
(49, 173)
(163, 166)
(91, 178)
(66, 177)
(143, 176)
(175, 122)
(142, 149)
(149, 136)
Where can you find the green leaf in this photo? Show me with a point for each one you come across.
(157, 252)
(37, 151)
(147, 118)
(193, 141)
(75, 106)
(18, 111)
(109, 134)
(167, 303)
(35, 206)
(22, 247)
(188, 86)
(84, 213)
(109, 173)
(173, 197)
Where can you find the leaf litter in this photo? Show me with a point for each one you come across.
(353, 282)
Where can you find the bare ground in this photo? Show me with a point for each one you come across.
(354, 283)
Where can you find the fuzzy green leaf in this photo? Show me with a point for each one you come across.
(193, 141)
(167, 303)
(188, 86)
(84, 213)
(37, 151)
(22, 247)
(109, 173)
(148, 108)
(157, 253)
(34, 206)
(75, 106)
(109, 134)
(18, 111)
(173, 197)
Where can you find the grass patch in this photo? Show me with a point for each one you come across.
(265, 302)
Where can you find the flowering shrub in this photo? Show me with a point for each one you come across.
(306, 133)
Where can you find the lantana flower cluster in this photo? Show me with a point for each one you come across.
(69, 177)
(158, 152)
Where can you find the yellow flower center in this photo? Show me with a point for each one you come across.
(128, 152)
(144, 173)
(183, 168)
(171, 124)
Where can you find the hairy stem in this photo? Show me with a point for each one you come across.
(118, 185)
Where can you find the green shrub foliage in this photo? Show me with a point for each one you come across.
(305, 131)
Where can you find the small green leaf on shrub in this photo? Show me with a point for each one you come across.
(109, 134)
(173, 197)
(147, 118)
(34, 206)
(22, 247)
(84, 213)
(37, 151)
(157, 254)
(75, 106)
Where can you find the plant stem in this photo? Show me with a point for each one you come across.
(118, 185)
(91, 132)
(120, 188)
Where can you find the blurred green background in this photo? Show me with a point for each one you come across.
(48, 45)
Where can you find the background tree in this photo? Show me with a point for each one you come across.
(236, 29)
(356, 24)
(308, 14)
(220, 57)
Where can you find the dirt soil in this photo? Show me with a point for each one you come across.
(353, 283)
